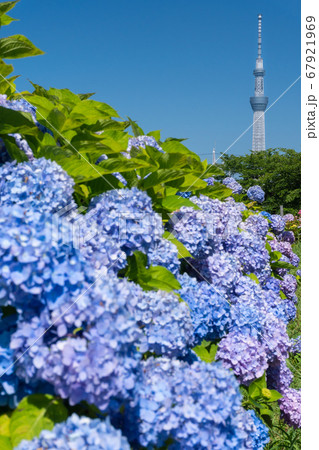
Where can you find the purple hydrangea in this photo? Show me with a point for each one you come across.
(256, 194)
(288, 217)
(287, 236)
(257, 225)
(243, 353)
(290, 407)
(296, 345)
(279, 377)
(289, 285)
(232, 184)
(79, 433)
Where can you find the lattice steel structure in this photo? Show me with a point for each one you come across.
(259, 101)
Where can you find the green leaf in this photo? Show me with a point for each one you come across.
(275, 256)
(6, 6)
(174, 146)
(266, 412)
(137, 131)
(86, 96)
(156, 134)
(275, 395)
(161, 176)
(14, 151)
(16, 122)
(17, 46)
(282, 295)
(35, 413)
(253, 277)
(213, 171)
(55, 121)
(218, 191)
(6, 20)
(281, 265)
(174, 203)
(205, 355)
(188, 183)
(112, 165)
(65, 96)
(5, 443)
(5, 69)
(182, 250)
(5, 425)
(254, 390)
(89, 111)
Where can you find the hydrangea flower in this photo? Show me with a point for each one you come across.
(39, 184)
(289, 285)
(266, 214)
(261, 437)
(95, 358)
(164, 253)
(232, 184)
(296, 345)
(210, 181)
(243, 353)
(279, 376)
(141, 141)
(116, 174)
(38, 266)
(166, 323)
(126, 215)
(287, 236)
(79, 433)
(256, 194)
(256, 224)
(290, 407)
(288, 217)
(277, 224)
(197, 405)
(210, 312)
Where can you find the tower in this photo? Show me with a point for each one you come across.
(259, 101)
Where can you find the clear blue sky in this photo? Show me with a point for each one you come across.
(182, 66)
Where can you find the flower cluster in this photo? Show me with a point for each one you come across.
(232, 184)
(197, 405)
(141, 141)
(256, 194)
(79, 433)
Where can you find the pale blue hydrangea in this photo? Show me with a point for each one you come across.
(126, 216)
(116, 174)
(39, 184)
(166, 323)
(210, 312)
(288, 217)
(164, 253)
(232, 184)
(196, 405)
(79, 433)
(261, 437)
(256, 224)
(38, 266)
(256, 194)
(142, 141)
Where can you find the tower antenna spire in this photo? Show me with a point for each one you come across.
(259, 35)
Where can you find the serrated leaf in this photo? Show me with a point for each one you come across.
(112, 165)
(253, 277)
(18, 46)
(175, 146)
(254, 390)
(275, 395)
(137, 131)
(266, 412)
(89, 111)
(6, 20)
(6, 6)
(174, 202)
(5, 69)
(217, 191)
(35, 413)
(156, 134)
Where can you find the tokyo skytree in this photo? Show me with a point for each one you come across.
(259, 101)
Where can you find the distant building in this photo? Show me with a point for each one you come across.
(259, 101)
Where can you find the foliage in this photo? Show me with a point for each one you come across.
(276, 171)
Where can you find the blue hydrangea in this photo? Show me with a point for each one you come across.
(261, 437)
(79, 433)
(142, 141)
(8, 381)
(256, 194)
(210, 312)
(266, 214)
(232, 184)
(243, 353)
(38, 266)
(277, 224)
(39, 184)
(256, 224)
(126, 216)
(95, 357)
(166, 323)
(210, 181)
(164, 253)
(197, 405)
(287, 236)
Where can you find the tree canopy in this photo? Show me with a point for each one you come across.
(276, 171)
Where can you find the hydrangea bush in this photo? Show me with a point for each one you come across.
(150, 313)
